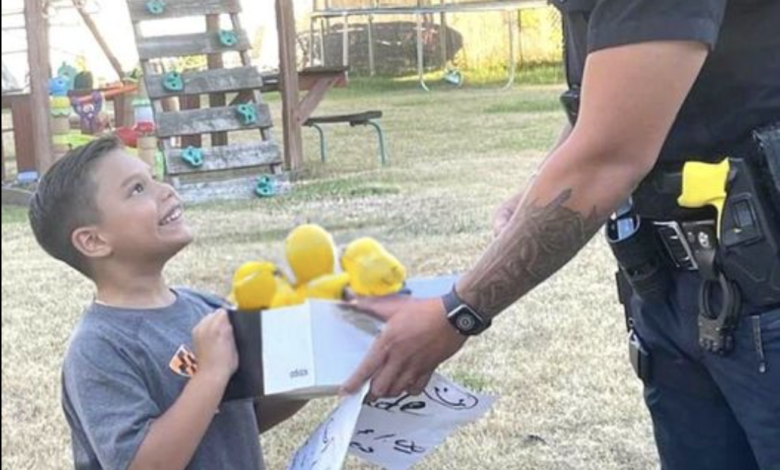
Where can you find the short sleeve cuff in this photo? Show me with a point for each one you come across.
(613, 35)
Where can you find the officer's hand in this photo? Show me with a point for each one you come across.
(215, 347)
(415, 340)
(505, 213)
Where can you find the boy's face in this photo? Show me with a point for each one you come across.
(141, 219)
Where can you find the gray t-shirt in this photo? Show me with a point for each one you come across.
(125, 368)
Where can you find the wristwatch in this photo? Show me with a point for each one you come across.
(462, 316)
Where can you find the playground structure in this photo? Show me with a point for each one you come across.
(223, 170)
(29, 103)
(323, 12)
(30, 107)
(202, 174)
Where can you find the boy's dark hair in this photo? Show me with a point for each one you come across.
(65, 201)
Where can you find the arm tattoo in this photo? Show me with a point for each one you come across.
(539, 241)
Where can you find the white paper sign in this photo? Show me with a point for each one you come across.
(327, 446)
(397, 433)
(392, 433)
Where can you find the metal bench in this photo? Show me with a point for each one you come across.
(368, 118)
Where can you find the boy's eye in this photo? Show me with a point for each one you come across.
(138, 188)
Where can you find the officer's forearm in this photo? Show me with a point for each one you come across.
(567, 203)
(511, 205)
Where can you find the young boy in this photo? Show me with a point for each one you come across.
(147, 366)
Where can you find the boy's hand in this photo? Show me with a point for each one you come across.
(174, 437)
(215, 347)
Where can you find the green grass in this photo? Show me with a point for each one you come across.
(541, 104)
(12, 215)
(474, 381)
(485, 79)
(568, 399)
(343, 188)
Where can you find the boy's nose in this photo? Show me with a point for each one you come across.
(167, 191)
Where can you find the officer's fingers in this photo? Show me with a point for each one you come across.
(387, 381)
(376, 356)
(419, 386)
(405, 383)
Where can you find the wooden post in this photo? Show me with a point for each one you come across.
(190, 102)
(24, 135)
(40, 73)
(288, 82)
(216, 100)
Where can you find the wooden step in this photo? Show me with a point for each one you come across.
(208, 121)
(182, 9)
(236, 156)
(211, 81)
(183, 45)
(239, 187)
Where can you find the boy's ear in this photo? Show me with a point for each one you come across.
(90, 243)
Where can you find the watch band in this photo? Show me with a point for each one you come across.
(451, 300)
(456, 309)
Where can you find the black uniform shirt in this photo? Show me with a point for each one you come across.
(738, 89)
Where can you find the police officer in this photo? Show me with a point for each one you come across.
(654, 84)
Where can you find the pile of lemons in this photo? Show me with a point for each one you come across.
(364, 266)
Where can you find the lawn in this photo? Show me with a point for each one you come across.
(557, 359)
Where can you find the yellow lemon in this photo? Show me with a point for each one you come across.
(254, 285)
(330, 287)
(310, 253)
(286, 296)
(358, 249)
(377, 274)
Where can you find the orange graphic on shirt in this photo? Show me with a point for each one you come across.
(184, 362)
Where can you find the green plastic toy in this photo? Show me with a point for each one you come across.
(173, 82)
(228, 38)
(155, 7)
(193, 156)
(247, 114)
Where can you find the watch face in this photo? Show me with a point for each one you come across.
(465, 322)
(464, 319)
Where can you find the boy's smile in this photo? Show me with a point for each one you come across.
(175, 216)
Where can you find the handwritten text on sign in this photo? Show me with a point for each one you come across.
(392, 433)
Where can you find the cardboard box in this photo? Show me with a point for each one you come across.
(308, 350)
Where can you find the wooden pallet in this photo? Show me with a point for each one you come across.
(229, 171)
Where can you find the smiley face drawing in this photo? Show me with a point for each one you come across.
(450, 397)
